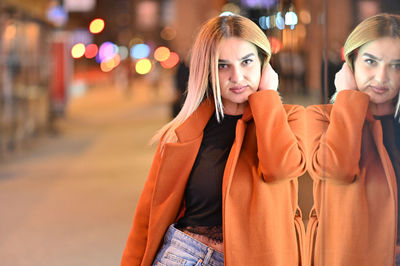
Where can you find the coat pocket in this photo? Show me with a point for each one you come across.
(310, 237)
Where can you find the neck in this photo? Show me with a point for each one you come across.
(234, 109)
(381, 109)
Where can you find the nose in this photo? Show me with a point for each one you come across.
(382, 75)
(236, 74)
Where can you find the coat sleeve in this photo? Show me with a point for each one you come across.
(137, 239)
(334, 132)
(280, 134)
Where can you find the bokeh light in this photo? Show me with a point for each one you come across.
(305, 17)
(96, 26)
(135, 40)
(58, 15)
(259, 3)
(140, 50)
(231, 7)
(10, 32)
(91, 50)
(78, 50)
(117, 60)
(291, 19)
(111, 63)
(106, 66)
(168, 33)
(280, 21)
(107, 51)
(143, 66)
(123, 52)
(172, 61)
(264, 22)
(161, 53)
(276, 44)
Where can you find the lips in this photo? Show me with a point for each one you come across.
(238, 89)
(379, 90)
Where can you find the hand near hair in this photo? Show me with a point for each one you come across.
(344, 79)
(269, 79)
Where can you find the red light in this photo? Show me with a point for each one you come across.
(91, 51)
(276, 45)
(172, 60)
(342, 56)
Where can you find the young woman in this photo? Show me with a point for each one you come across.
(223, 184)
(353, 152)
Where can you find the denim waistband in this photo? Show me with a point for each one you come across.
(193, 246)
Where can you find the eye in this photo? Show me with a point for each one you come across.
(247, 61)
(369, 61)
(395, 66)
(222, 66)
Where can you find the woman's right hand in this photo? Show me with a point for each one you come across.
(269, 79)
(344, 79)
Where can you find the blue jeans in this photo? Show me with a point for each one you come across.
(180, 249)
(397, 259)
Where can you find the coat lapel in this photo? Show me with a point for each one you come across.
(235, 150)
(176, 164)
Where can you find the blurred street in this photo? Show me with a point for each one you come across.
(68, 199)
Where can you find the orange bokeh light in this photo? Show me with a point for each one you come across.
(110, 64)
(96, 26)
(161, 53)
(172, 60)
(106, 66)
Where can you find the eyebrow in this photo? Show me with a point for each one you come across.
(243, 58)
(372, 56)
(395, 61)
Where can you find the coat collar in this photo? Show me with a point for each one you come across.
(247, 114)
(370, 117)
(193, 127)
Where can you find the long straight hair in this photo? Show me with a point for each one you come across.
(375, 27)
(203, 77)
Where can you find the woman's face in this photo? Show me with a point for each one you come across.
(377, 70)
(239, 72)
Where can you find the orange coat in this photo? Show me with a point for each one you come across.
(261, 221)
(355, 193)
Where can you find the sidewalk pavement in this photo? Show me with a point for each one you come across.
(69, 199)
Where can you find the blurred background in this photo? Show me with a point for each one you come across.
(84, 84)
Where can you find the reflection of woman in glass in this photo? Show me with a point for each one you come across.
(353, 151)
(223, 184)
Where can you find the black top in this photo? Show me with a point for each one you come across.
(391, 139)
(203, 194)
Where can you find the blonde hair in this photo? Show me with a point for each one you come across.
(203, 77)
(375, 27)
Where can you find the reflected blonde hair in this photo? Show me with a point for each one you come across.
(375, 27)
(203, 77)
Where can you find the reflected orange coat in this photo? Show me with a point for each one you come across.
(261, 221)
(355, 193)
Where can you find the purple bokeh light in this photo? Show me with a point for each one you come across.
(259, 3)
